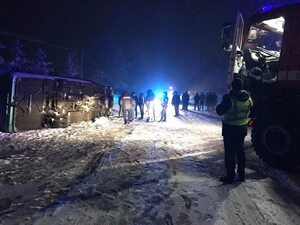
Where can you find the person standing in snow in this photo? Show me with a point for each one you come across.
(202, 101)
(127, 106)
(183, 100)
(176, 102)
(235, 108)
(135, 98)
(110, 101)
(149, 102)
(141, 103)
(120, 105)
(164, 104)
(197, 101)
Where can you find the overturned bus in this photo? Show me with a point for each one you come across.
(31, 101)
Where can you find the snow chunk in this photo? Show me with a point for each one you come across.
(102, 121)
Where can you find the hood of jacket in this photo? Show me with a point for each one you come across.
(240, 95)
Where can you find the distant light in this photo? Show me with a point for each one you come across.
(159, 95)
(171, 87)
(276, 24)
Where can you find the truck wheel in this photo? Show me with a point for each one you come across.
(273, 144)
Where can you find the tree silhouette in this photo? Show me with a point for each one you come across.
(19, 61)
(73, 65)
(111, 65)
(39, 64)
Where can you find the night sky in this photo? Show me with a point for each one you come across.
(158, 42)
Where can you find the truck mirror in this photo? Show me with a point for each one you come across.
(227, 37)
(226, 47)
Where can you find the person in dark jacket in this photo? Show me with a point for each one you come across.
(202, 101)
(235, 108)
(119, 102)
(141, 103)
(197, 101)
(185, 100)
(176, 102)
(135, 98)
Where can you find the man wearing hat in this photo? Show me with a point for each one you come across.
(235, 109)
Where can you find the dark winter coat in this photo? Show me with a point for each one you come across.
(141, 100)
(176, 99)
(197, 98)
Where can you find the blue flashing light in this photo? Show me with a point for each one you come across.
(159, 95)
(267, 8)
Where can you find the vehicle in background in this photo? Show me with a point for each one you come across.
(265, 53)
(31, 101)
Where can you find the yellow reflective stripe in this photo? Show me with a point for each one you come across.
(238, 113)
(237, 122)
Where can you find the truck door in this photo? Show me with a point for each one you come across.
(236, 60)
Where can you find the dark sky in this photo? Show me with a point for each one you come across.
(177, 42)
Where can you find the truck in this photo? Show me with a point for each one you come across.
(34, 101)
(265, 53)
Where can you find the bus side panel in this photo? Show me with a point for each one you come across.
(5, 101)
(29, 100)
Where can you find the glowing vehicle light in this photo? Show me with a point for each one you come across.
(267, 8)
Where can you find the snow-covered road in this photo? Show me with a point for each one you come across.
(143, 173)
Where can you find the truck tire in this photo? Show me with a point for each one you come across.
(273, 144)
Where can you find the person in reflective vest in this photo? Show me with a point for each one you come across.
(235, 108)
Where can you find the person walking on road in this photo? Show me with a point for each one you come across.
(235, 108)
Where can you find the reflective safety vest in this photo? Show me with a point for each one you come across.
(238, 113)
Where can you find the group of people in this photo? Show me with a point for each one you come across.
(130, 103)
(234, 108)
(206, 102)
(202, 102)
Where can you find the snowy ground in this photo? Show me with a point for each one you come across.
(142, 173)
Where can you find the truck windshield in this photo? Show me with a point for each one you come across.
(263, 45)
